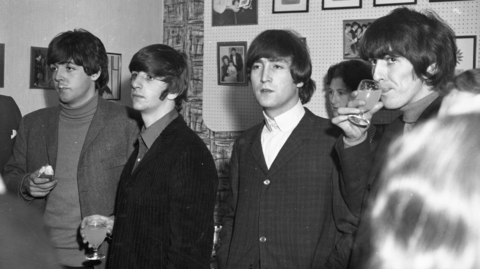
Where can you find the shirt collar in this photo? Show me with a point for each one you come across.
(150, 134)
(286, 121)
(412, 112)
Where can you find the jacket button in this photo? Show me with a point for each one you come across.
(263, 239)
(368, 187)
(266, 182)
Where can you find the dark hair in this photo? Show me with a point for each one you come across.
(84, 49)
(468, 81)
(233, 49)
(422, 38)
(348, 24)
(169, 65)
(351, 72)
(225, 57)
(282, 44)
(356, 23)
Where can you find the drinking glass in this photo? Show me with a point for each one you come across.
(95, 232)
(369, 92)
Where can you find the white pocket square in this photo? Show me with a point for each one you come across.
(14, 133)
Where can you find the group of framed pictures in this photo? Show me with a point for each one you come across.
(41, 74)
(344, 4)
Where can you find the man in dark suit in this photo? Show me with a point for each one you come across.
(86, 139)
(409, 80)
(166, 198)
(237, 61)
(10, 117)
(281, 205)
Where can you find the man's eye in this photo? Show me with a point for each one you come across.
(53, 68)
(149, 77)
(277, 66)
(373, 61)
(255, 66)
(134, 76)
(392, 60)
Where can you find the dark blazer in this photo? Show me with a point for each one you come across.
(361, 170)
(164, 209)
(10, 117)
(239, 61)
(282, 216)
(109, 142)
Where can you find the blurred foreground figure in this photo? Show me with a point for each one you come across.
(426, 215)
(462, 94)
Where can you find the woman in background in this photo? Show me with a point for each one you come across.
(426, 214)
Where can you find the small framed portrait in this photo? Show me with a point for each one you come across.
(466, 52)
(231, 63)
(112, 91)
(290, 6)
(341, 4)
(40, 73)
(2, 65)
(353, 31)
(380, 3)
(234, 12)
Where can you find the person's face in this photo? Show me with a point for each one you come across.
(459, 102)
(74, 87)
(338, 94)
(231, 64)
(396, 77)
(273, 86)
(354, 27)
(146, 91)
(225, 61)
(234, 52)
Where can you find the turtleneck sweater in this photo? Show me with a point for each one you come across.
(62, 213)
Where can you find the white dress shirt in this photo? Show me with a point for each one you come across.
(276, 131)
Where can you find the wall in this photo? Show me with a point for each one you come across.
(228, 108)
(124, 26)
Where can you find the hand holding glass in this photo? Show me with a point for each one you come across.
(370, 93)
(95, 232)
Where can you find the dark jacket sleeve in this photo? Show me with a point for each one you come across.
(192, 204)
(228, 219)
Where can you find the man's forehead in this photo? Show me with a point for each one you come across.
(287, 60)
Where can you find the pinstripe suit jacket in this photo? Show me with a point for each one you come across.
(282, 216)
(361, 170)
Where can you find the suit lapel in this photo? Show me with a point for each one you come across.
(257, 151)
(51, 135)
(97, 124)
(294, 143)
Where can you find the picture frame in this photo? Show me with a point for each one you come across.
(433, 1)
(381, 3)
(2, 65)
(246, 13)
(231, 63)
(113, 89)
(290, 6)
(341, 4)
(352, 32)
(466, 52)
(40, 73)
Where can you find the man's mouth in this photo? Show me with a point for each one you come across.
(265, 90)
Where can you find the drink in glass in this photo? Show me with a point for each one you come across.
(369, 92)
(95, 232)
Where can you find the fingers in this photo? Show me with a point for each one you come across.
(40, 187)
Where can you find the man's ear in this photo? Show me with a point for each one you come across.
(172, 96)
(432, 69)
(95, 76)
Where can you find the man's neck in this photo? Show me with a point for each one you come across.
(151, 117)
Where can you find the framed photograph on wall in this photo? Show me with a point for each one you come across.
(231, 63)
(380, 3)
(341, 4)
(112, 91)
(466, 52)
(290, 6)
(242, 12)
(40, 73)
(352, 34)
(2, 65)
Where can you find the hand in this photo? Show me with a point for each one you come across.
(352, 132)
(38, 187)
(110, 222)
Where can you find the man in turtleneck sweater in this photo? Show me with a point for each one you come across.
(86, 140)
(412, 53)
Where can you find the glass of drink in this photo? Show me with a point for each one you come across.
(95, 232)
(369, 92)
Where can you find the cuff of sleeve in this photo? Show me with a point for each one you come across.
(25, 197)
(352, 144)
